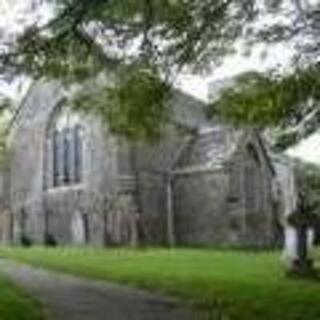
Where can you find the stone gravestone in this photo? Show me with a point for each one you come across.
(78, 229)
(301, 222)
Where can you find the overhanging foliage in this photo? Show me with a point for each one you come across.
(85, 38)
(290, 102)
(134, 105)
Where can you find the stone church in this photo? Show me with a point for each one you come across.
(69, 181)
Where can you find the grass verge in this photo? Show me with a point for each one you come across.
(15, 305)
(220, 284)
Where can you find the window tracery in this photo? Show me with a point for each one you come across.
(65, 150)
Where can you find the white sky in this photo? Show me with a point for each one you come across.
(262, 58)
(308, 150)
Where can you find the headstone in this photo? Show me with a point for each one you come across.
(290, 242)
(78, 229)
(301, 222)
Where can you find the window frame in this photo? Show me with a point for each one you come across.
(65, 145)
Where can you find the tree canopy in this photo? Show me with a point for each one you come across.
(289, 103)
(308, 180)
(288, 100)
(157, 39)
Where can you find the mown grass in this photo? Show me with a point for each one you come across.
(15, 305)
(219, 284)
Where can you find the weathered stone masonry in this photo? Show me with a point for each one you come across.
(202, 184)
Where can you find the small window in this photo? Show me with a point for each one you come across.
(253, 180)
(235, 183)
(250, 187)
(253, 153)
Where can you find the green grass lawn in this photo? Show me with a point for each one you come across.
(15, 305)
(236, 285)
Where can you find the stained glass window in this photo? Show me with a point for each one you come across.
(56, 158)
(78, 153)
(67, 151)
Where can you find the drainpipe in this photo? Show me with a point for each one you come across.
(11, 228)
(170, 217)
(169, 179)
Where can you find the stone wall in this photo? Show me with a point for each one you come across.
(256, 203)
(26, 145)
(199, 205)
(123, 196)
(5, 217)
(221, 206)
(154, 162)
(38, 209)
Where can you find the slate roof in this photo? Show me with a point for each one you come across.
(210, 148)
(187, 110)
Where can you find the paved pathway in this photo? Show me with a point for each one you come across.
(70, 298)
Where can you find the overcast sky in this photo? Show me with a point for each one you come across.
(262, 58)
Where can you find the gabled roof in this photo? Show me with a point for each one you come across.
(266, 151)
(187, 111)
(210, 148)
(213, 147)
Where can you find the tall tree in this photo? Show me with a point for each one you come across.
(286, 100)
(147, 42)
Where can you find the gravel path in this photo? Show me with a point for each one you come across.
(70, 298)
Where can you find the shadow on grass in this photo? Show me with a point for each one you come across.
(304, 271)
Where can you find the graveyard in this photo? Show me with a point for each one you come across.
(216, 284)
(159, 160)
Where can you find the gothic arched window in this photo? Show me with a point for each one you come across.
(78, 152)
(65, 151)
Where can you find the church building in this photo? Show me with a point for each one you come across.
(70, 181)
